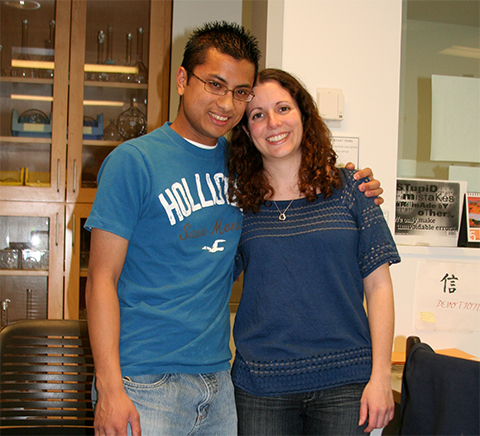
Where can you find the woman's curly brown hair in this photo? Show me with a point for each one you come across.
(248, 185)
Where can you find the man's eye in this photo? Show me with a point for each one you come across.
(242, 92)
(215, 85)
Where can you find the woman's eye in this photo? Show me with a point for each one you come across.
(257, 116)
(284, 109)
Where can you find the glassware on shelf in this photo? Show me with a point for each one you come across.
(2, 71)
(21, 71)
(128, 77)
(33, 116)
(49, 47)
(109, 59)
(113, 77)
(100, 42)
(100, 76)
(132, 122)
(4, 321)
(142, 74)
(110, 132)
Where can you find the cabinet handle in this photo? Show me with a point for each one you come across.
(75, 175)
(57, 224)
(73, 230)
(58, 175)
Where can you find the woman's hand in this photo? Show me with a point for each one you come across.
(376, 406)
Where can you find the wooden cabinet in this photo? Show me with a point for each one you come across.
(58, 96)
(32, 153)
(31, 278)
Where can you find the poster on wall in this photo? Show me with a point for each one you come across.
(346, 149)
(447, 296)
(428, 212)
(472, 210)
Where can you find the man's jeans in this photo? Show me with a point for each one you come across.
(183, 404)
(333, 412)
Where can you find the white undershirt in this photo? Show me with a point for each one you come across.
(205, 147)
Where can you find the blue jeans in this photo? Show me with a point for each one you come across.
(333, 411)
(183, 404)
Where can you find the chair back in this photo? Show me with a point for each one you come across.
(440, 394)
(46, 378)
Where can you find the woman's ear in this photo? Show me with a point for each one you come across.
(246, 131)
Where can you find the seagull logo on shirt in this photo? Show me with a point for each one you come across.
(214, 248)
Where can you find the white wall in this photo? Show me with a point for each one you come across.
(187, 16)
(355, 45)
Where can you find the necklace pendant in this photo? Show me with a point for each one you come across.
(282, 217)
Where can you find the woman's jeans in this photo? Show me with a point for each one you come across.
(333, 411)
(183, 404)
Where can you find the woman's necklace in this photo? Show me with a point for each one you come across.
(282, 216)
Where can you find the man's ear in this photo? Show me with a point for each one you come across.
(181, 80)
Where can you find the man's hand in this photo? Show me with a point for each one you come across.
(113, 412)
(371, 188)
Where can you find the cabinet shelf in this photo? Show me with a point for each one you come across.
(22, 272)
(34, 81)
(24, 140)
(121, 85)
(88, 83)
(101, 143)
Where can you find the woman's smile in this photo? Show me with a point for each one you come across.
(275, 122)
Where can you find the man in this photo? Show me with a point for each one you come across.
(162, 250)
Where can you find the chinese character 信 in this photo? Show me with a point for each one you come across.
(449, 283)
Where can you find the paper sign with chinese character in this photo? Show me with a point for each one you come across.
(447, 296)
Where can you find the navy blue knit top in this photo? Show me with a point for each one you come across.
(301, 324)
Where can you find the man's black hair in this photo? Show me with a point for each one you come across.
(228, 38)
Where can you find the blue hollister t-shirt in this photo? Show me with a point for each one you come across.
(168, 198)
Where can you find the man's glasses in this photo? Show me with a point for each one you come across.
(241, 94)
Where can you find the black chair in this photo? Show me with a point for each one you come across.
(440, 394)
(46, 378)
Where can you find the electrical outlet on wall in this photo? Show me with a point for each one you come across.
(330, 103)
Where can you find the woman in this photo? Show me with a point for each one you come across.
(308, 359)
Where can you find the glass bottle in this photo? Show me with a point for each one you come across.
(23, 72)
(142, 74)
(110, 133)
(132, 122)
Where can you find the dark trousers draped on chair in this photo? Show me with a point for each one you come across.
(440, 394)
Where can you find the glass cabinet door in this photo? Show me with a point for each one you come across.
(34, 71)
(113, 62)
(31, 273)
